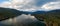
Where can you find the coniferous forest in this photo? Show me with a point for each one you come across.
(50, 18)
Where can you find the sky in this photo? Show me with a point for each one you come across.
(31, 5)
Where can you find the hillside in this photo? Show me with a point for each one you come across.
(6, 13)
(51, 18)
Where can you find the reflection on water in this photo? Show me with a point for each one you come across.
(22, 20)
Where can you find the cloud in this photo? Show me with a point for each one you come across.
(51, 6)
(19, 4)
(16, 3)
(31, 5)
(5, 4)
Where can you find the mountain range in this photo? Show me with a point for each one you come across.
(6, 13)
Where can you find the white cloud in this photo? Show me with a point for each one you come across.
(51, 6)
(18, 4)
(29, 5)
(5, 4)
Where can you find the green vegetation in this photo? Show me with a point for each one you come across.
(6, 13)
(50, 19)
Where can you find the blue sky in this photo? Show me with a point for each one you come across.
(3, 0)
(31, 5)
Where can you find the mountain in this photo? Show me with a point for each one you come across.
(39, 12)
(40, 15)
(57, 12)
(43, 12)
(6, 13)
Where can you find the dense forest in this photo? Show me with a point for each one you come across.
(50, 18)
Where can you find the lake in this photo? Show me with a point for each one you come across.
(22, 20)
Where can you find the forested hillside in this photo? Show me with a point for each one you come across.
(51, 18)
